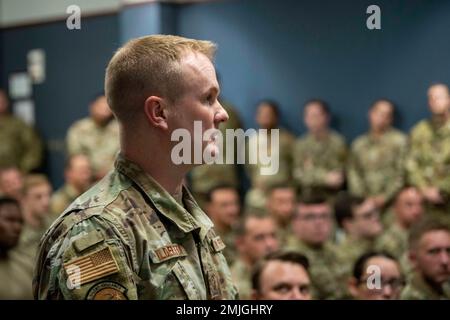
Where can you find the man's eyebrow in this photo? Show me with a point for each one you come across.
(213, 89)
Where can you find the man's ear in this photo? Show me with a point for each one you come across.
(155, 112)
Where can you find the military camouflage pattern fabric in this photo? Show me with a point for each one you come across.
(418, 289)
(16, 266)
(351, 249)
(208, 176)
(20, 144)
(428, 162)
(127, 238)
(260, 183)
(327, 271)
(62, 198)
(376, 165)
(99, 144)
(241, 274)
(313, 159)
(395, 242)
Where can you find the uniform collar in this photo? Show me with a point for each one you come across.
(186, 219)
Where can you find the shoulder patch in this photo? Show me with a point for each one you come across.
(88, 240)
(107, 291)
(91, 267)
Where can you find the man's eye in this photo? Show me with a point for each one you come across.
(282, 288)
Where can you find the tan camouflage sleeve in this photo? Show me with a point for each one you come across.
(90, 262)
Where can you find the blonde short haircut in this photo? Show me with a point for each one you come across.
(147, 66)
(34, 180)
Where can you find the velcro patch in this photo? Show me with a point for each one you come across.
(217, 244)
(170, 251)
(91, 267)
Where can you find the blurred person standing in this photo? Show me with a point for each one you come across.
(376, 164)
(20, 145)
(429, 157)
(319, 156)
(96, 136)
(267, 117)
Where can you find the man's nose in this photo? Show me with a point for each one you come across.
(445, 258)
(221, 114)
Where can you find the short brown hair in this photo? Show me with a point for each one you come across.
(283, 256)
(33, 180)
(146, 66)
(423, 227)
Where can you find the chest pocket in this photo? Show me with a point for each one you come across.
(169, 275)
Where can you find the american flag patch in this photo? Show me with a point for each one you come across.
(91, 267)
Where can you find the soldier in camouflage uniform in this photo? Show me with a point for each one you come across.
(280, 205)
(428, 161)
(267, 117)
(360, 219)
(376, 165)
(223, 208)
(312, 226)
(138, 233)
(391, 278)
(256, 236)
(11, 183)
(36, 212)
(96, 136)
(16, 268)
(408, 210)
(78, 178)
(20, 144)
(429, 245)
(319, 156)
(206, 177)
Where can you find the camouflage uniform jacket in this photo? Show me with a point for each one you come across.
(99, 144)
(313, 159)
(418, 289)
(376, 165)
(20, 145)
(127, 238)
(327, 272)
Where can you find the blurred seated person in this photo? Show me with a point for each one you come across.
(11, 182)
(376, 276)
(223, 207)
(281, 276)
(16, 269)
(77, 177)
(429, 252)
(256, 237)
(280, 204)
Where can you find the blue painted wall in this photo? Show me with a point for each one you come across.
(294, 50)
(76, 62)
(288, 50)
